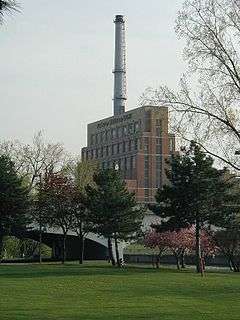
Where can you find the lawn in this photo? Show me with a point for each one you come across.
(98, 291)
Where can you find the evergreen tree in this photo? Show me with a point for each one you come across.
(196, 195)
(112, 209)
(227, 236)
(13, 200)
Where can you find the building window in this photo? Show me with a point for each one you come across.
(96, 153)
(112, 149)
(130, 128)
(101, 152)
(92, 154)
(136, 127)
(124, 130)
(105, 136)
(114, 133)
(107, 151)
(124, 146)
(130, 145)
(92, 139)
(133, 162)
(158, 146)
(125, 164)
(148, 121)
(146, 144)
(136, 142)
(158, 127)
(122, 164)
(119, 164)
(118, 148)
(171, 145)
(158, 171)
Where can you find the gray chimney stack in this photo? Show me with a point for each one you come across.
(120, 96)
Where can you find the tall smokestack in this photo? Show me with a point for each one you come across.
(120, 97)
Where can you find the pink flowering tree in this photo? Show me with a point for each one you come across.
(208, 245)
(180, 242)
(159, 241)
(183, 242)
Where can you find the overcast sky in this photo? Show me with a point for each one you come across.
(56, 59)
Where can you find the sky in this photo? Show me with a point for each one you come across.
(56, 61)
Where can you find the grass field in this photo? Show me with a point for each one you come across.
(101, 292)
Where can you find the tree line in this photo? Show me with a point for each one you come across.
(45, 188)
(52, 191)
(203, 199)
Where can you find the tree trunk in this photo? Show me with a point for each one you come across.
(158, 261)
(81, 253)
(64, 248)
(230, 263)
(117, 252)
(198, 248)
(177, 261)
(40, 243)
(1, 247)
(110, 252)
(235, 266)
(182, 260)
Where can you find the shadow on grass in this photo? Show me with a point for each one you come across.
(73, 270)
(57, 270)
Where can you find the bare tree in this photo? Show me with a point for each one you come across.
(7, 7)
(206, 106)
(39, 158)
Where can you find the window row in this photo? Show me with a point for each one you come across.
(122, 164)
(115, 133)
(114, 149)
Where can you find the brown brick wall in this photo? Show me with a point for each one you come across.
(135, 179)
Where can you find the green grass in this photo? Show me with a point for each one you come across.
(98, 291)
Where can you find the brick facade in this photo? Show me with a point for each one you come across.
(137, 143)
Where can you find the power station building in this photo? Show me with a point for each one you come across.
(136, 142)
